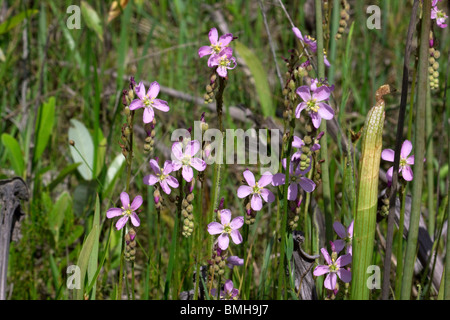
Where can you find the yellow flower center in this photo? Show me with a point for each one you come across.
(312, 106)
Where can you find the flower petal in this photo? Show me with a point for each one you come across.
(300, 107)
(136, 104)
(155, 166)
(321, 270)
(278, 179)
(304, 92)
(113, 212)
(222, 71)
(237, 223)
(330, 281)
(236, 236)
(297, 33)
(321, 94)
(188, 173)
(345, 275)
(297, 142)
(192, 148)
(339, 245)
(292, 191)
(165, 187)
(204, 51)
(177, 150)
(137, 202)
(340, 229)
(267, 195)
(256, 202)
(161, 105)
(223, 241)
(167, 167)
(149, 114)
(225, 216)
(407, 173)
(150, 179)
(307, 184)
(135, 219)
(316, 119)
(326, 256)
(388, 155)
(215, 228)
(249, 177)
(153, 90)
(121, 222)
(244, 191)
(172, 181)
(344, 260)
(125, 199)
(140, 90)
(213, 36)
(325, 111)
(198, 164)
(406, 149)
(226, 39)
(265, 179)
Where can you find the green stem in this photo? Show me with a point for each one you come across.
(399, 270)
(326, 189)
(422, 84)
(430, 171)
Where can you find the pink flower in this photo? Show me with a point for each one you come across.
(165, 180)
(346, 236)
(186, 159)
(334, 268)
(256, 189)
(217, 45)
(226, 229)
(440, 17)
(224, 61)
(295, 179)
(315, 104)
(148, 101)
(234, 261)
(405, 161)
(127, 211)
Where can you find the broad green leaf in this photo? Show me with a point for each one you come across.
(44, 123)
(57, 214)
(74, 235)
(92, 19)
(83, 143)
(84, 258)
(16, 20)
(15, 153)
(93, 258)
(260, 77)
(113, 171)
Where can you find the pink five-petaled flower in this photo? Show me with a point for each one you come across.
(229, 291)
(217, 44)
(224, 60)
(148, 101)
(127, 211)
(165, 180)
(227, 228)
(186, 159)
(345, 235)
(440, 17)
(256, 189)
(295, 179)
(315, 104)
(334, 267)
(405, 161)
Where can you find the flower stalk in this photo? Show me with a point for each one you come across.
(422, 84)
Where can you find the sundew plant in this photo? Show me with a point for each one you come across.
(224, 150)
